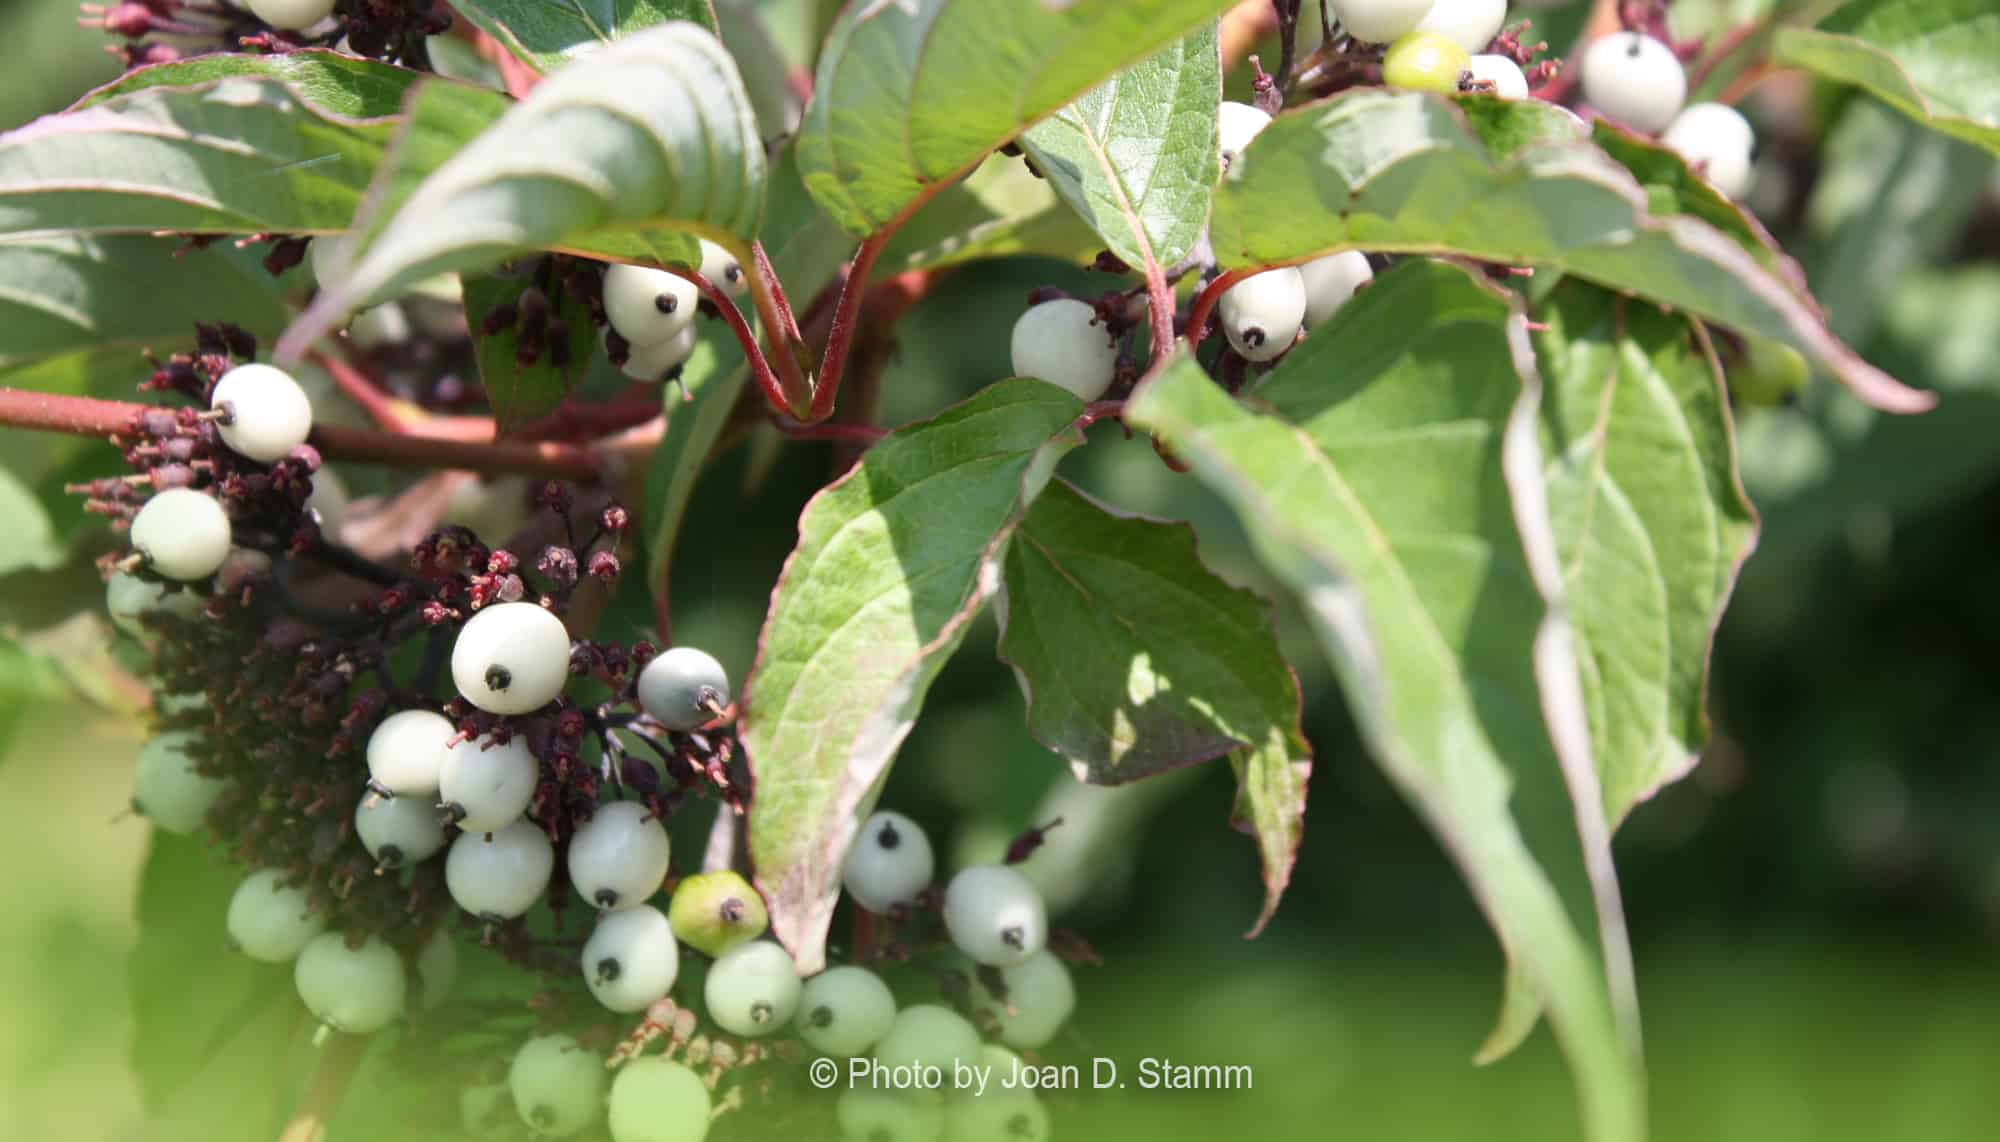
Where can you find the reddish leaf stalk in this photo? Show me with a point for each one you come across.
(780, 392)
(845, 317)
(783, 380)
(1204, 305)
(1160, 297)
(363, 390)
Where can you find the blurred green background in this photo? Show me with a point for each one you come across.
(1816, 911)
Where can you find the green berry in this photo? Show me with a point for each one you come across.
(713, 912)
(558, 1086)
(658, 1100)
(1771, 373)
(1425, 61)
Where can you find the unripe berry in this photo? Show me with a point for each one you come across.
(558, 1086)
(511, 658)
(1425, 61)
(328, 503)
(713, 912)
(184, 534)
(1379, 21)
(997, 1113)
(499, 876)
(270, 920)
(1635, 79)
(166, 790)
(1330, 281)
(995, 915)
(648, 306)
(486, 786)
(890, 864)
(406, 752)
(129, 599)
(291, 15)
(1040, 996)
(867, 1115)
(1508, 81)
(269, 414)
(1771, 373)
(1716, 139)
(1061, 341)
(631, 959)
(927, 1035)
(1471, 24)
(843, 1011)
(752, 990)
(683, 688)
(356, 990)
(658, 1100)
(398, 831)
(722, 269)
(1235, 125)
(1262, 314)
(651, 363)
(619, 857)
(385, 324)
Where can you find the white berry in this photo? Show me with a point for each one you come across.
(129, 599)
(485, 786)
(866, 1115)
(652, 363)
(328, 502)
(680, 685)
(1716, 139)
(997, 1113)
(268, 413)
(1061, 341)
(500, 875)
(658, 1100)
(1471, 24)
(558, 1086)
(398, 831)
(1508, 81)
(1380, 21)
(291, 15)
(619, 857)
(166, 790)
(631, 959)
(511, 658)
(925, 1035)
(1040, 996)
(407, 751)
(1635, 79)
(1235, 125)
(270, 920)
(437, 967)
(184, 534)
(995, 915)
(356, 990)
(648, 306)
(722, 269)
(845, 1010)
(1330, 281)
(752, 989)
(1262, 314)
(890, 864)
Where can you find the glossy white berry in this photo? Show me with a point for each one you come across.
(658, 1100)
(270, 920)
(652, 363)
(648, 306)
(631, 959)
(926, 1035)
(184, 534)
(268, 413)
(398, 831)
(1471, 24)
(291, 15)
(1330, 281)
(1262, 314)
(867, 1115)
(995, 915)
(1380, 21)
(619, 857)
(500, 875)
(890, 864)
(407, 751)
(1062, 342)
(558, 1086)
(129, 599)
(845, 1010)
(166, 790)
(683, 687)
(1235, 125)
(437, 967)
(328, 503)
(1039, 998)
(1508, 81)
(485, 786)
(511, 658)
(356, 990)
(722, 269)
(1716, 139)
(1634, 79)
(384, 324)
(752, 989)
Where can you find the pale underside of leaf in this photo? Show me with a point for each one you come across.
(545, 34)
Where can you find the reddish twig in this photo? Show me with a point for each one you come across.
(833, 363)
(1160, 296)
(777, 392)
(363, 390)
(1204, 304)
(1100, 410)
(852, 433)
(788, 391)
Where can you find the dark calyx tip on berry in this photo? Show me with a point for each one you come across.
(888, 837)
(821, 1016)
(1253, 336)
(1014, 938)
(542, 1115)
(761, 1011)
(1021, 1126)
(608, 969)
(498, 677)
(453, 812)
(666, 302)
(606, 898)
(730, 911)
(390, 857)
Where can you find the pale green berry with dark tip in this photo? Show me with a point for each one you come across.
(713, 912)
(558, 1086)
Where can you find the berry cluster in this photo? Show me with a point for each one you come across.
(160, 31)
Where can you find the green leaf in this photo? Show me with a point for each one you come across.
(1135, 659)
(545, 34)
(32, 543)
(712, 379)
(910, 94)
(521, 393)
(1937, 61)
(894, 560)
(998, 211)
(650, 134)
(1650, 521)
(1415, 174)
(767, 74)
(228, 144)
(1389, 472)
(1137, 156)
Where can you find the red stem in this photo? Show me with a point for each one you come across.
(793, 392)
(1204, 304)
(854, 433)
(1160, 296)
(363, 390)
(760, 365)
(834, 362)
